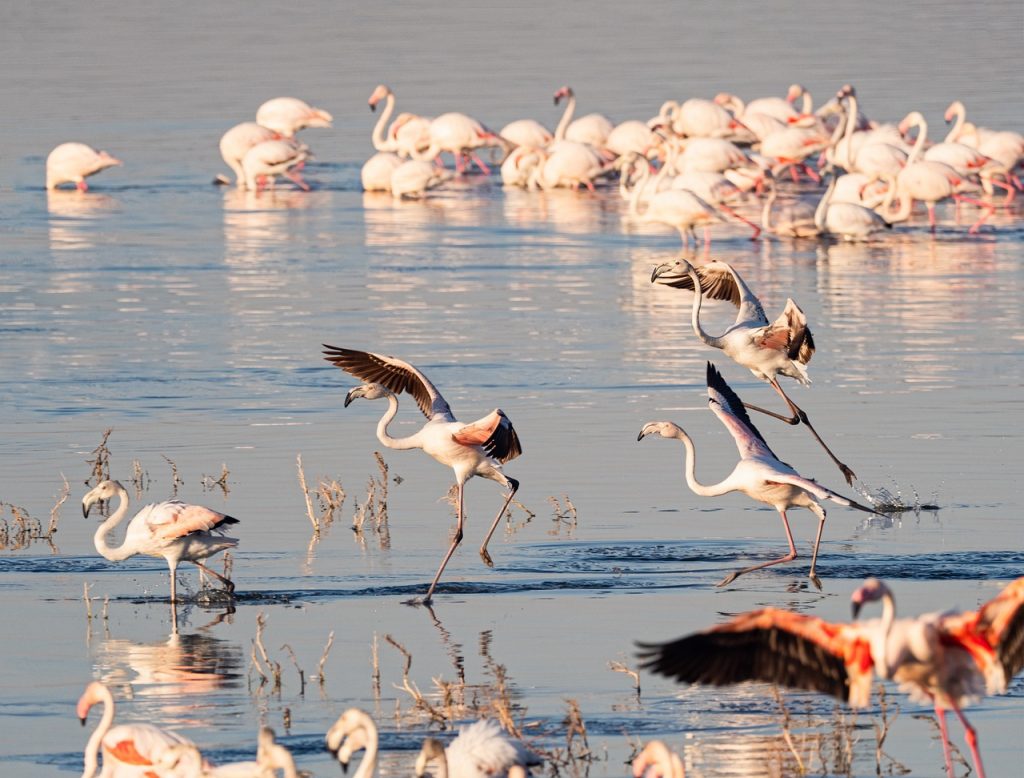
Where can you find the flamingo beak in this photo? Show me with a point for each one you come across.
(373, 107)
(638, 439)
(86, 506)
(353, 394)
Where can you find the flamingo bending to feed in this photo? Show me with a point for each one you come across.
(186, 761)
(792, 220)
(288, 115)
(477, 449)
(414, 177)
(459, 135)
(172, 530)
(238, 140)
(73, 162)
(375, 175)
(265, 161)
(760, 474)
(850, 221)
(766, 349)
(948, 659)
(481, 750)
(128, 749)
(657, 760)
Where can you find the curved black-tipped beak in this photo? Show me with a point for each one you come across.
(855, 607)
(658, 270)
(373, 107)
(640, 436)
(85, 513)
(82, 719)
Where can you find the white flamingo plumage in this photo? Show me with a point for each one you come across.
(414, 178)
(476, 449)
(265, 161)
(592, 129)
(407, 134)
(482, 749)
(288, 115)
(375, 174)
(238, 140)
(527, 133)
(73, 163)
(186, 761)
(568, 164)
(354, 731)
(849, 221)
(657, 760)
(459, 135)
(947, 659)
(173, 530)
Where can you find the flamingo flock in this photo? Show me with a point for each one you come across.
(695, 164)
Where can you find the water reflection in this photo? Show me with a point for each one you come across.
(172, 680)
(73, 217)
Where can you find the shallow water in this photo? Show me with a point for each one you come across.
(189, 320)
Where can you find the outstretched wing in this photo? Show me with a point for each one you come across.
(494, 433)
(771, 645)
(728, 407)
(1000, 624)
(395, 374)
(716, 280)
(790, 335)
(175, 519)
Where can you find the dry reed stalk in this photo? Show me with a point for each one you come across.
(275, 667)
(305, 493)
(100, 461)
(619, 667)
(375, 661)
(777, 694)
(323, 659)
(175, 478)
(301, 672)
(55, 510)
(88, 601)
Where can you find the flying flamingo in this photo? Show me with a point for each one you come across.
(272, 158)
(288, 115)
(128, 749)
(948, 659)
(656, 760)
(759, 474)
(73, 162)
(481, 750)
(172, 530)
(766, 349)
(480, 448)
(238, 140)
(184, 760)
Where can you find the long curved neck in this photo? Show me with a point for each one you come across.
(807, 106)
(368, 764)
(704, 490)
(382, 428)
(93, 746)
(922, 133)
(888, 618)
(698, 298)
(380, 141)
(113, 553)
(638, 188)
(766, 212)
(822, 209)
(563, 124)
(958, 125)
(851, 125)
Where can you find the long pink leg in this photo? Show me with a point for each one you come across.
(787, 558)
(989, 210)
(228, 584)
(459, 165)
(82, 186)
(298, 180)
(811, 174)
(480, 163)
(972, 741)
(940, 714)
(931, 215)
(455, 543)
(733, 214)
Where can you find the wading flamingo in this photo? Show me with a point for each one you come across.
(186, 761)
(73, 162)
(481, 750)
(592, 129)
(408, 133)
(172, 530)
(288, 115)
(128, 749)
(414, 178)
(766, 349)
(849, 221)
(459, 135)
(265, 161)
(480, 448)
(354, 731)
(238, 140)
(948, 659)
(759, 474)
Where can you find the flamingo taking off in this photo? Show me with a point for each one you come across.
(477, 449)
(172, 530)
(948, 659)
(766, 349)
(73, 162)
(760, 474)
(481, 750)
(128, 749)
(288, 115)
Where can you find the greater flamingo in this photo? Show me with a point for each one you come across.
(459, 135)
(792, 220)
(238, 140)
(477, 449)
(414, 178)
(481, 750)
(354, 730)
(948, 659)
(265, 161)
(375, 175)
(760, 474)
(73, 162)
(657, 760)
(172, 530)
(528, 133)
(186, 761)
(128, 749)
(592, 129)
(408, 133)
(849, 221)
(568, 164)
(288, 115)
(766, 349)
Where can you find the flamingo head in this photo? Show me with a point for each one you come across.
(102, 491)
(353, 731)
(432, 749)
(664, 428)
(794, 93)
(565, 91)
(846, 91)
(674, 273)
(379, 94)
(93, 693)
(912, 119)
(871, 590)
(955, 107)
(368, 391)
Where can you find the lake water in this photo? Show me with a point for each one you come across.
(188, 319)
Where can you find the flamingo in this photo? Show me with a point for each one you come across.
(128, 749)
(186, 761)
(408, 133)
(700, 118)
(714, 155)
(73, 162)
(238, 140)
(656, 760)
(354, 731)
(477, 449)
(375, 175)
(481, 750)
(272, 158)
(528, 133)
(592, 129)
(1004, 146)
(874, 154)
(949, 659)
(458, 134)
(778, 108)
(568, 164)
(768, 350)
(518, 167)
(792, 220)
(632, 137)
(850, 221)
(414, 177)
(288, 115)
(760, 474)
(791, 146)
(172, 530)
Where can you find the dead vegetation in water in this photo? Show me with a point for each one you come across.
(563, 518)
(23, 529)
(269, 672)
(372, 513)
(100, 461)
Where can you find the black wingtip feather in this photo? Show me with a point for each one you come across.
(736, 407)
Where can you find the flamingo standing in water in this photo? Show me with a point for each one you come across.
(128, 749)
(477, 449)
(265, 161)
(73, 163)
(766, 349)
(760, 474)
(948, 659)
(186, 761)
(592, 129)
(238, 140)
(172, 530)
(354, 730)
(481, 750)
(459, 135)
(288, 115)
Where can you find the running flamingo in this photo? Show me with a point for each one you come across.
(480, 448)
(73, 162)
